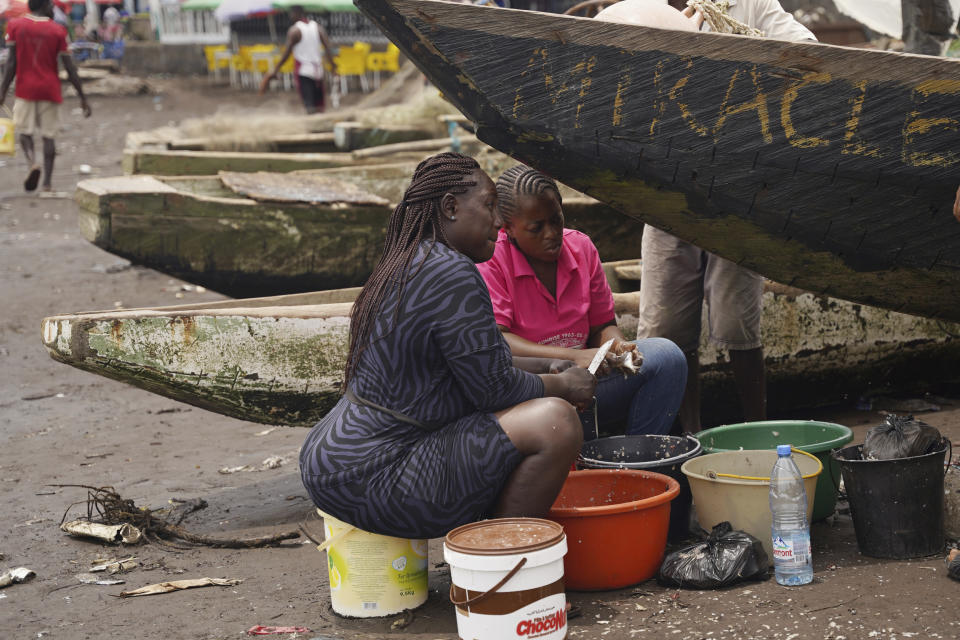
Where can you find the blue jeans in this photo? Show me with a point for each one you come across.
(646, 402)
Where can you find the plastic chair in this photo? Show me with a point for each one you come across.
(217, 58)
(352, 62)
(257, 58)
(388, 60)
(239, 70)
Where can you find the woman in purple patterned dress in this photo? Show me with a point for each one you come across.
(439, 425)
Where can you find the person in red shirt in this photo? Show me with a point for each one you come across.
(37, 43)
(551, 300)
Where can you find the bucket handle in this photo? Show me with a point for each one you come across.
(334, 539)
(739, 477)
(472, 601)
(946, 467)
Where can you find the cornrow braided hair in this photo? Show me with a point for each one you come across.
(521, 180)
(416, 218)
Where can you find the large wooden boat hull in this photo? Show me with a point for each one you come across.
(822, 167)
(280, 360)
(200, 230)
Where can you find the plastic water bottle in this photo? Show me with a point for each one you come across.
(792, 560)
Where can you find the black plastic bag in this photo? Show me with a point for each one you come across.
(953, 566)
(900, 437)
(725, 558)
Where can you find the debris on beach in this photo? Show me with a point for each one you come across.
(114, 534)
(273, 462)
(116, 566)
(13, 576)
(161, 526)
(89, 578)
(260, 630)
(178, 585)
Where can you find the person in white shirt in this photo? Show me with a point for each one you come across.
(676, 276)
(309, 45)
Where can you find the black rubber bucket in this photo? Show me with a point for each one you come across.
(896, 505)
(661, 454)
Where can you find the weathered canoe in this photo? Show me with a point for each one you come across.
(280, 360)
(166, 162)
(822, 167)
(259, 234)
(202, 232)
(345, 136)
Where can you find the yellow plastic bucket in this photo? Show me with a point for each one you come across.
(735, 486)
(373, 575)
(8, 144)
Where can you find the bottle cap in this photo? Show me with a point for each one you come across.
(783, 449)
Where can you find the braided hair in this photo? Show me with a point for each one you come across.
(416, 218)
(521, 180)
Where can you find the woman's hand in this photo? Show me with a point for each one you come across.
(559, 366)
(956, 204)
(622, 346)
(579, 386)
(583, 357)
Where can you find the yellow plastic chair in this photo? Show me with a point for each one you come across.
(217, 58)
(388, 60)
(239, 70)
(257, 59)
(352, 62)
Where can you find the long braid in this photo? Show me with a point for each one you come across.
(521, 180)
(416, 218)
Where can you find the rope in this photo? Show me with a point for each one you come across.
(715, 13)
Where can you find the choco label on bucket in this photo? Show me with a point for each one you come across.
(544, 619)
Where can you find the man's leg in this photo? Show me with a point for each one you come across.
(49, 153)
(750, 375)
(24, 120)
(671, 298)
(33, 174)
(308, 87)
(734, 301)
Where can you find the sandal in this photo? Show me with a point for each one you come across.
(33, 179)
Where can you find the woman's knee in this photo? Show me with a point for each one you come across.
(664, 357)
(543, 424)
(565, 429)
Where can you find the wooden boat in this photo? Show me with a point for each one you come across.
(344, 136)
(822, 167)
(176, 162)
(280, 360)
(267, 234)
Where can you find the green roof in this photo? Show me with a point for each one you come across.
(201, 5)
(318, 5)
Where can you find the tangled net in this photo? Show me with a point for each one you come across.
(715, 12)
(161, 526)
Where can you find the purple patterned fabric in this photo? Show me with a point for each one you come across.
(440, 360)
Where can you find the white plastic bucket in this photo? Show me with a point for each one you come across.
(373, 575)
(507, 579)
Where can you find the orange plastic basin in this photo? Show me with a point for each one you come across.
(616, 522)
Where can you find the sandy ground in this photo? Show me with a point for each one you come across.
(62, 426)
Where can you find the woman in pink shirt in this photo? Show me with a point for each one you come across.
(551, 299)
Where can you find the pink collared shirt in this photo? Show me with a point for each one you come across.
(523, 305)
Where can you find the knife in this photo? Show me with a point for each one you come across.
(600, 356)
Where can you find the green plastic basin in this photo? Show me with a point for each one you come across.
(818, 438)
